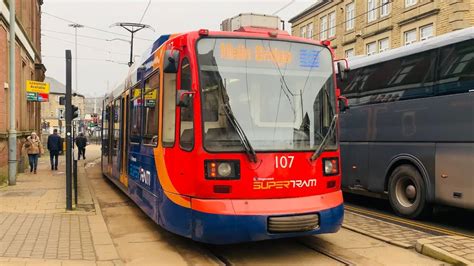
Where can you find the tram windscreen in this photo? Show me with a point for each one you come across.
(281, 93)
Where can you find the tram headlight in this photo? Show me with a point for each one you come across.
(224, 169)
(220, 169)
(331, 166)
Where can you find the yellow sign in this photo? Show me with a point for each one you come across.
(150, 95)
(137, 92)
(36, 86)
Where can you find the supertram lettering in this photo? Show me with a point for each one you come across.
(264, 185)
(271, 185)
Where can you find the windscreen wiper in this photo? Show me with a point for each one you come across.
(243, 138)
(324, 142)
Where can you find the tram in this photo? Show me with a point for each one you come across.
(229, 136)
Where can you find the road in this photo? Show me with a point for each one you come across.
(445, 220)
(139, 241)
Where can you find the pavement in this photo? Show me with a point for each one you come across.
(106, 228)
(35, 227)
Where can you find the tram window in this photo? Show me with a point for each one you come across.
(456, 73)
(105, 131)
(151, 109)
(136, 115)
(186, 139)
(169, 109)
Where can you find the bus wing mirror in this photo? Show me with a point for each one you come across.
(342, 69)
(184, 97)
(343, 104)
(171, 60)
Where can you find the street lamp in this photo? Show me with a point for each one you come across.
(76, 26)
(132, 28)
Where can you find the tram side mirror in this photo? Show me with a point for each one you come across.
(184, 97)
(342, 69)
(343, 104)
(171, 61)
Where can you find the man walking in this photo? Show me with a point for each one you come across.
(81, 143)
(54, 146)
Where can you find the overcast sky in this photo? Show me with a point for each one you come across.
(95, 70)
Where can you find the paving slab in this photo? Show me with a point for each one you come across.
(391, 233)
(458, 250)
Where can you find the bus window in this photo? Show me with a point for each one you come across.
(169, 109)
(456, 74)
(136, 115)
(151, 109)
(186, 140)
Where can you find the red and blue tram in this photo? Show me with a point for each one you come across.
(227, 137)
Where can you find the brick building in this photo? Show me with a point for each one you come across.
(365, 27)
(28, 67)
(52, 113)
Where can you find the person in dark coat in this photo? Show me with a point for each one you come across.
(81, 143)
(54, 146)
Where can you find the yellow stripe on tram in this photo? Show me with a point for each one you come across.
(404, 221)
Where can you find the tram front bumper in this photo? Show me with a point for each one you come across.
(234, 221)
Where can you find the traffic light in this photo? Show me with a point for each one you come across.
(75, 112)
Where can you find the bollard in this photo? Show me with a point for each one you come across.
(74, 175)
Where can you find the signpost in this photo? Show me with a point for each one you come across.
(37, 91)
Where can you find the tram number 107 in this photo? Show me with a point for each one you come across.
(284, 161)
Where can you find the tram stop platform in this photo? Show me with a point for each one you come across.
(35, 227)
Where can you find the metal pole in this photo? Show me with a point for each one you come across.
(68, 132)
(12, 136)
(131, 51)
(75, 63)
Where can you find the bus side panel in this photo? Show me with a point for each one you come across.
(355, 164)
(381, 154)
(455, 174)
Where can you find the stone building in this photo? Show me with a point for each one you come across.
(28, 67)
(365, 27)
(53, 114)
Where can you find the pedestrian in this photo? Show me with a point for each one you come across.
(54, 146)
(81, 143)
(34, 149)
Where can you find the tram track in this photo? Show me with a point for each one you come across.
(325, 251)
(418, 225)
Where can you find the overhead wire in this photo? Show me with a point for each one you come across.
(92, 28)
(144, 12)
(83, 45)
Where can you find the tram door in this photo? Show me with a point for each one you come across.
(116, 158)
(124, 140)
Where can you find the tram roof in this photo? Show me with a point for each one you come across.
(432, 43)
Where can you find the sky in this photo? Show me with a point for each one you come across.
(101, 60)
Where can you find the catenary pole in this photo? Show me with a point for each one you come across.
(69, 142)
(12, 134)
(75, 26)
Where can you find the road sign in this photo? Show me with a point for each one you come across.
(36, 86)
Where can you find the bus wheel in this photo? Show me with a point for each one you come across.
(407, 192)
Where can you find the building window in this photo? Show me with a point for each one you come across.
(410, 2)
(410, 36)
(323, 35)
(426, 32)
(350, 14)
(310, 31)
(332, 24)
(384, 45)
(303, 32)
(371, 48)
(371, 10)
(349, 53)
(384, 8)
